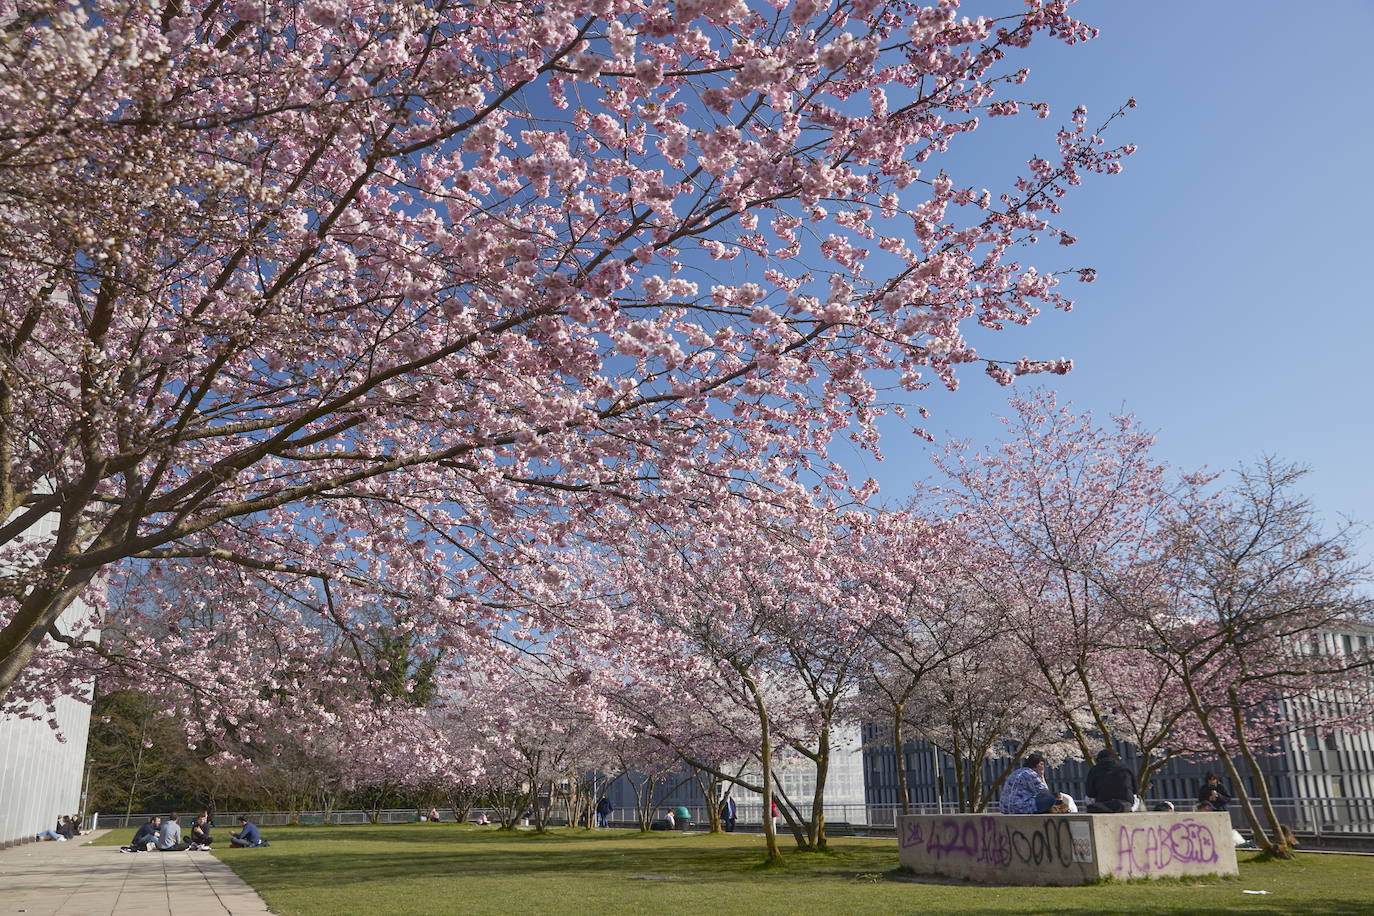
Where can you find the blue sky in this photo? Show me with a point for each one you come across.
(1232, 313)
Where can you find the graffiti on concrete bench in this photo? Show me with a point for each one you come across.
(1057, 841)
(1000, 841)
(1143, 849)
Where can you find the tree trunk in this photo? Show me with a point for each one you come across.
(791, 816)
(709, 785)
(29, 626)
(1277, 846)
(959, 779)
(1261, 838)
(138, 763)
(903, 791)
(770, 837)
(815, 832)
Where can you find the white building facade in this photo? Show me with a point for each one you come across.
(41, 770)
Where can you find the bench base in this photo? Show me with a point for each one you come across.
(1066, 849)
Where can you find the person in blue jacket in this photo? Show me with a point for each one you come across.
(248, 835)
(147, 833)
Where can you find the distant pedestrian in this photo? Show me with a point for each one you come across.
(774, 815)
(728, 813)
(603, 812)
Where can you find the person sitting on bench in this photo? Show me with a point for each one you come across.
(1111, 785)
(1026, 792)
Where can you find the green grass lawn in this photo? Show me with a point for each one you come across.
(447, 868)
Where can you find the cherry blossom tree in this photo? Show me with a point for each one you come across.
(1256, 588)
(1060, 511)
(347, 292)
(926, 631)
(987, 705)
(753, 637)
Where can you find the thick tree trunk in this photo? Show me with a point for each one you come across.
(1278, 846)
(29, 626)
(770, 837)
(1257, 831)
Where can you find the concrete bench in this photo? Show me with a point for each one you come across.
(1066, 849)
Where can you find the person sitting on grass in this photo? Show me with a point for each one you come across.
(248, 835)
(169, 837)
(200, 832)
(146, 836)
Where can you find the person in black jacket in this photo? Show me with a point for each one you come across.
(1211, 794)
(147, 833)
(200, 832)
(1111, 784)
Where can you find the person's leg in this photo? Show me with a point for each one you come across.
(1044, 803)
(239, 842)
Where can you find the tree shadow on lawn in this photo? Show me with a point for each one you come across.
(339, 860)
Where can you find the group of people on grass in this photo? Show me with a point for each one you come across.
(1110, 789)
(68, 827)
(160, 835)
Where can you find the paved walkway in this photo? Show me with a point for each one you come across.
(76, 879)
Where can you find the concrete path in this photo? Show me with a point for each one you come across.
(75, 879)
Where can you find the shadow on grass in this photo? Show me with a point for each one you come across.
(341, 867)
(367, 854)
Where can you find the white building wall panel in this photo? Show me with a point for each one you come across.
(40, 771)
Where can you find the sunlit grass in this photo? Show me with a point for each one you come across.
(447, 868)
